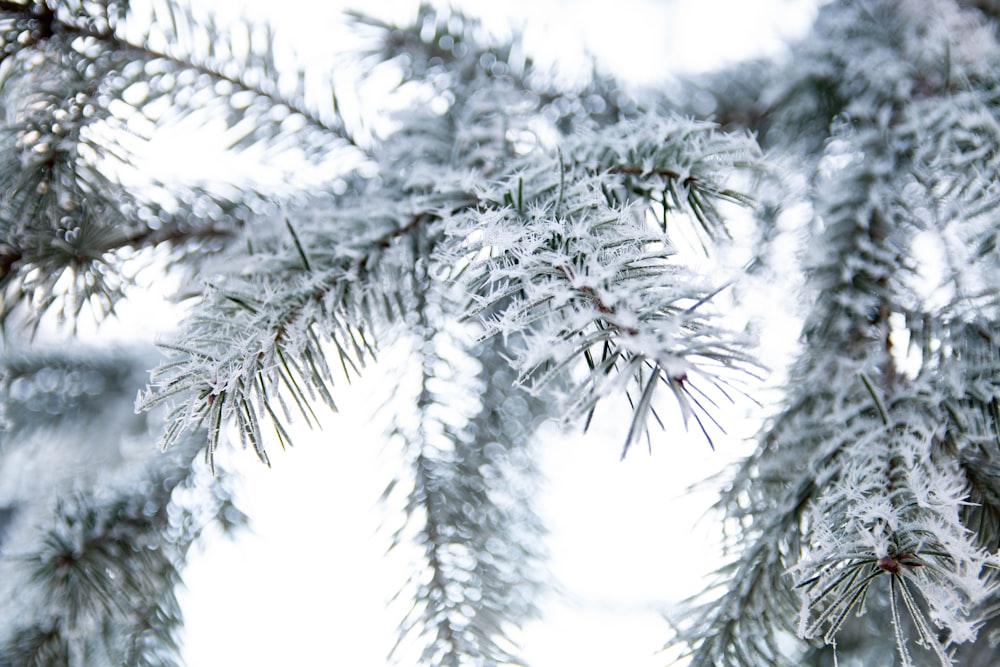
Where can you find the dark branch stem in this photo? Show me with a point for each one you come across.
(385, 240)
(176, 235)
(633, 170)
(12, 257)
(9, 258)
(602, 307)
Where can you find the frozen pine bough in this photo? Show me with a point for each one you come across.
(531, 250)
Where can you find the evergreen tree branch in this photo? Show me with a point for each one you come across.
(575, 261)
(109, 27)
(472, 480)
(889, 502)
(92, 571)
(95, 95)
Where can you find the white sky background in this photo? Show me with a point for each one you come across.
(309, 584)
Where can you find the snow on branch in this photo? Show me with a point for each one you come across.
(566, 252)
(893, 509)
(265, 344)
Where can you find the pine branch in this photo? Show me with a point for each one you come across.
(567, 262)
(93, 96)
(469, 499)
(874, 489)
(258, 347)
(89, 573)
(883, 527)
(447, 49)
(77, 21)
(236, 366)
